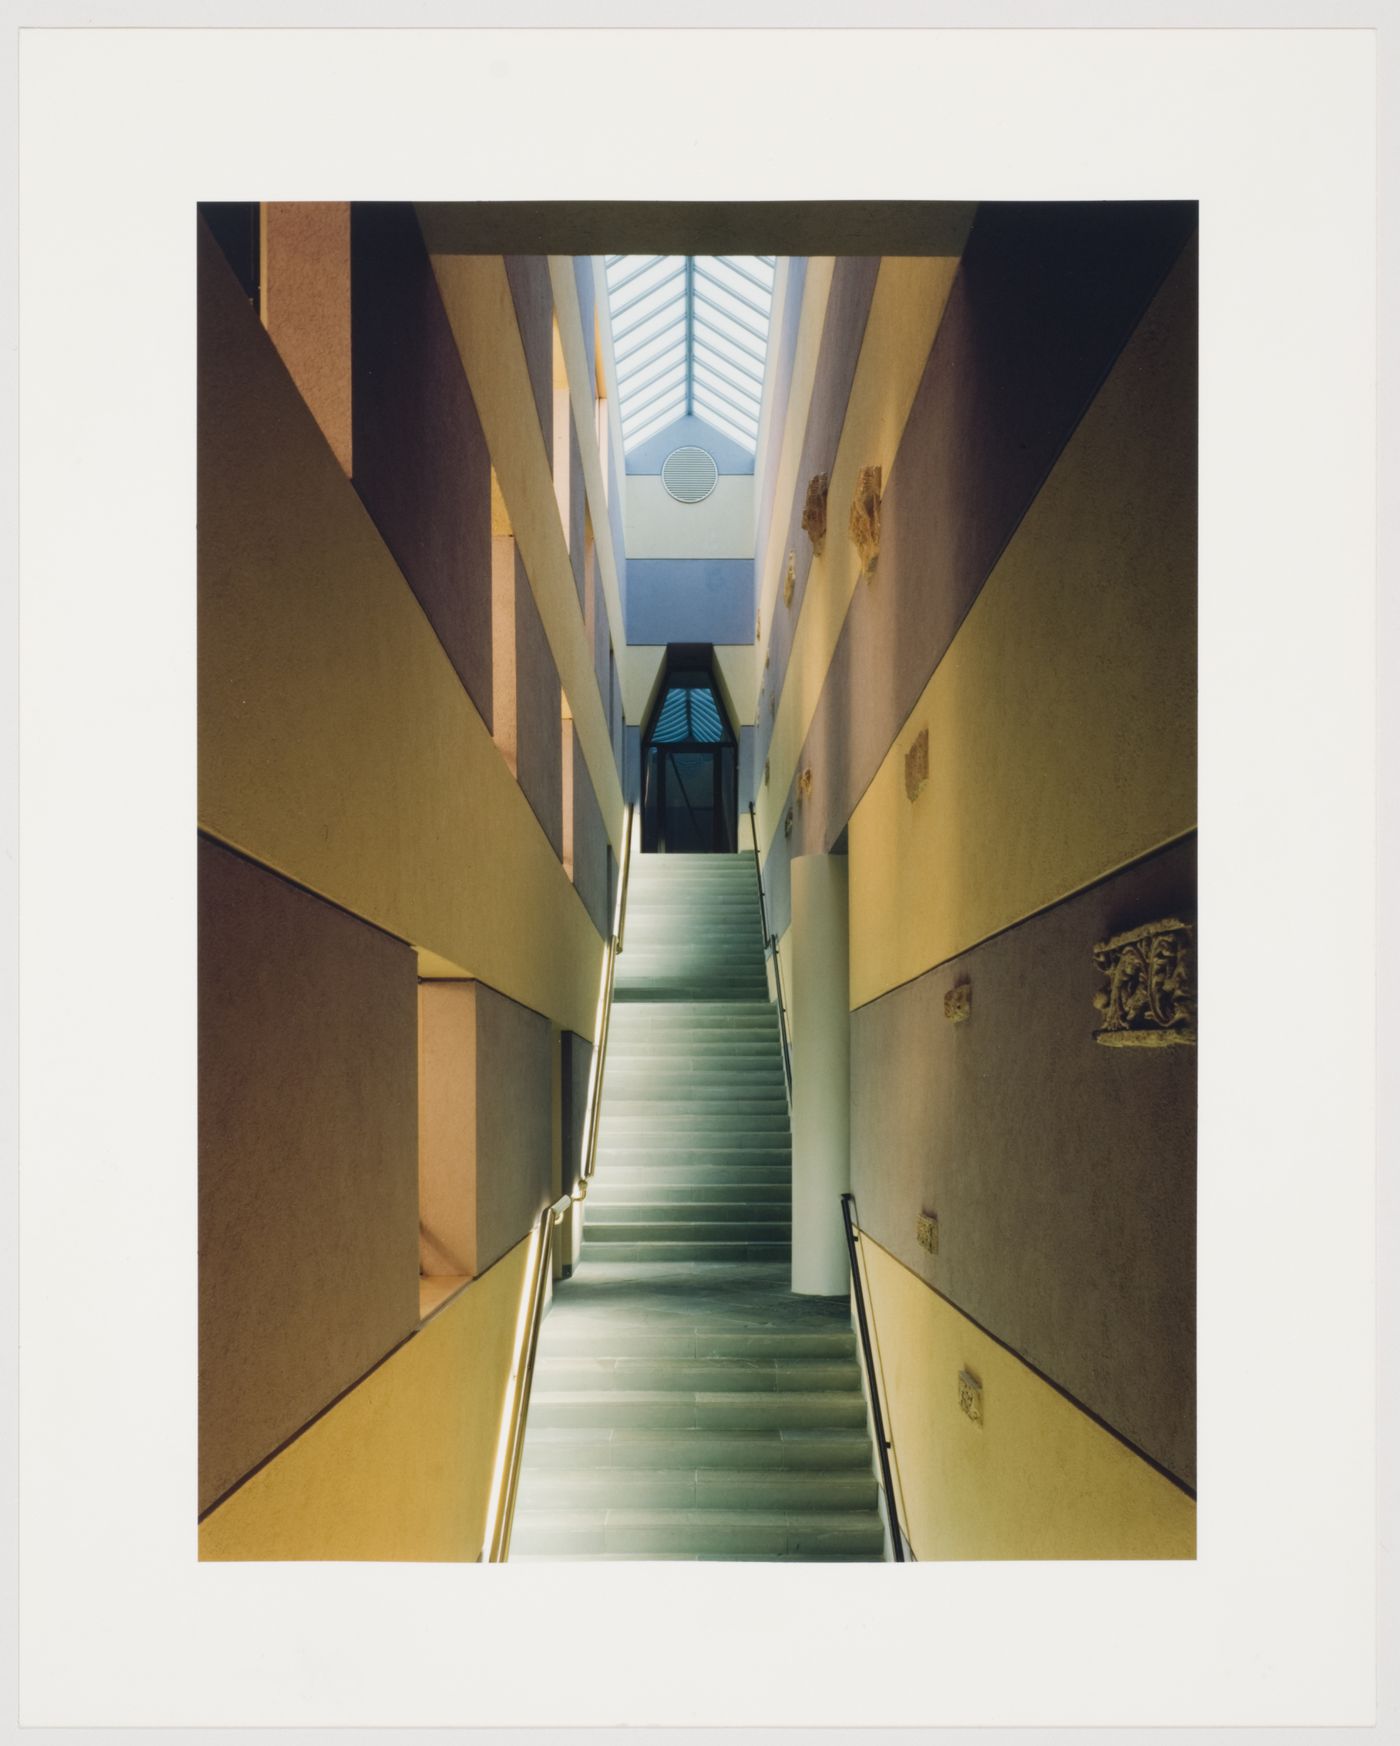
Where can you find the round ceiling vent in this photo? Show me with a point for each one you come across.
(690, 475)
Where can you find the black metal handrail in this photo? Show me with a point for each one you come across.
(883, 1445)
(770, 944)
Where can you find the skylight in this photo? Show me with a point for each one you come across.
(690, 336)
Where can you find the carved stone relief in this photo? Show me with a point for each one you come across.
(916, 765)
(814, 513)
(804, 785)
(790, 579)
(957, 1003)
(1150, 998)
(787, 823)
(865, 519)
(765, 772)
(970, 1396)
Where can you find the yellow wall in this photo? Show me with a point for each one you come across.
(910, 296)
(336, 743)
(401, 1467)
(1038, 1479)
(476, 295)
(1061, 721)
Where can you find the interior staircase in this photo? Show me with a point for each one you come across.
(686, 1404)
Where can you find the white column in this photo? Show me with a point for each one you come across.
(821, 1075)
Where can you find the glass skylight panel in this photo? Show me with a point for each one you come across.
(704, 315)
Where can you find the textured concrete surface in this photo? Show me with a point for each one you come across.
(336, 742)
(1035, 1477)
(421, 464)
(306, 306)
(537, 753)
(400, 1469)
(308, 1197)
(590, 845)
(1063, 1173)
(847, 310)
(528, 276)
(1061, 722)
(514, 1072)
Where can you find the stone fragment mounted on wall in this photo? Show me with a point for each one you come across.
(916, 765)
(765, 772)
(1150, 997)
(814, 513)
(957, 1003)
(804, 785)
(865, 519)
(787, 823)
(970, 1396)
(790, 579)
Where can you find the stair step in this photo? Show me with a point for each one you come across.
(788, 1449)
(689, 1376)
(761, 1532)
(613, 1252)
(581, 1338)
(593, 1488)
(694, 1215)
(684, 1199)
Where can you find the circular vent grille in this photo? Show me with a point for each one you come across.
(690, 475)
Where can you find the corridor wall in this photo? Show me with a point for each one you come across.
(996, 720)
(367, 830)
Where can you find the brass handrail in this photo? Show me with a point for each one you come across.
(497, 1549)
(883, 1445)
(518, 1406)
(770, 944)
(600, 1053)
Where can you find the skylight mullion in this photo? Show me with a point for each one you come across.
(732, 262)
(739, 406)
(658, 295)
(728, 428)
(650, 396)
(666, 402)
(649, 428)
(643, 331)
(645, 394)
(748, 352)
(648, 262)
(729, 291)
(726, 367)
(647, 351)
(737, 420)
(716, 314)
(737, 312)
(737, 283)
(649, 282)
(672, 309)
(668, 356)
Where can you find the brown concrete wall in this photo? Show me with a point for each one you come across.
(590, 845)
(1011, 373)
(537, 720)
(306, 308)
(528, 276)
(1063, 1173)
(308, 1270)
(336, 742)
(577, 1058)
(421, 464)
(447, 1159)
(514, 1081)
(577, 507)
